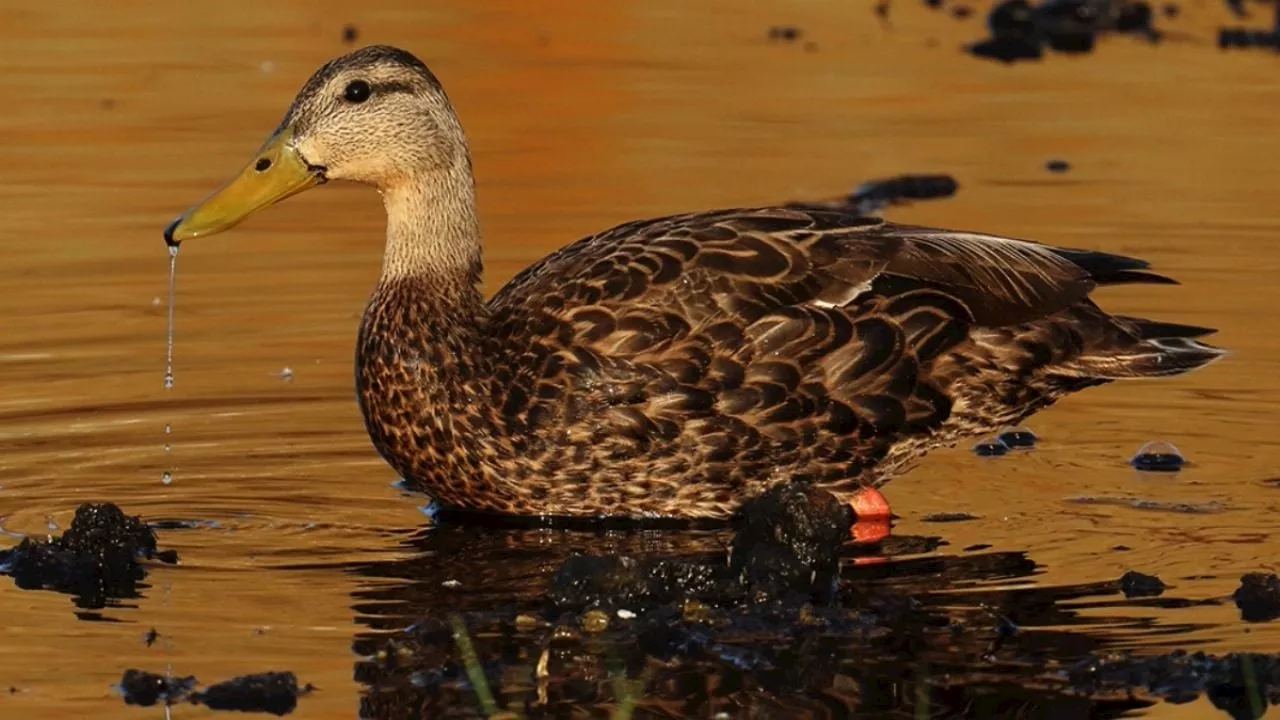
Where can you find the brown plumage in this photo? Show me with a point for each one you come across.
(677, 366)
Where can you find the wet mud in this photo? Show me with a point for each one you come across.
(274, 693)
(101, 558)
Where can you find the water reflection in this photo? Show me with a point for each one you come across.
(918, 630)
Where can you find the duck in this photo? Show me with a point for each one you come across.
(676, 367)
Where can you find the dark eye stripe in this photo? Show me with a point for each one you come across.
(393, 87)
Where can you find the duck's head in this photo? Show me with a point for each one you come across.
(376, 116)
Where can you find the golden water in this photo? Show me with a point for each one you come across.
(580, 115)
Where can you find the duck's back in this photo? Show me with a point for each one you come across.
(676, 366)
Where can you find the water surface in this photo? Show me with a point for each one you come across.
(583, 115)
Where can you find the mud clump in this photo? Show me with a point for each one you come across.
(97, 559)
(1023, 31)
(1258, 597)
(145, 689)
(788, 540)
(1135, 584)
(276, 693)
(785, 542)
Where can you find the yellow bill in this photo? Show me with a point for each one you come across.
(277, 172)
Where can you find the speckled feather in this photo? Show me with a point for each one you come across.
(676, 366)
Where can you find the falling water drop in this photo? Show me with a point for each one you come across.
(168, 448)
(167, 429)
(167, 478)
(173, 273)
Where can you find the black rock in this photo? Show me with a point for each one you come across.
(1258, 597)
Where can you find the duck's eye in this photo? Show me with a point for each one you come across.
(357, 91)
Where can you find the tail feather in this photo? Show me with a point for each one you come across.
(1156, 349)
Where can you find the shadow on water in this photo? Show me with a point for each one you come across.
(910, 629)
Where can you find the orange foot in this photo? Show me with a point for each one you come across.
(871, 516)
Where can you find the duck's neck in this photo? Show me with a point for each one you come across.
(432, 230)
(421, 360)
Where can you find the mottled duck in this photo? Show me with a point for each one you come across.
(675, 367)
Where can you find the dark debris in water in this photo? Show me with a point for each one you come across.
(949, 517)
(1021, 30)
(1258, 597)
(145, 689)
(275, 693)
(96, 560)
(1135, 584)
(750, 620)
(1240, 684)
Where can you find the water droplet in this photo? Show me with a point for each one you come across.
(50, 523)
(167, 448)
(167, 429)
(1158, 456)
(173, 274)
(167, 478)
(287, 374)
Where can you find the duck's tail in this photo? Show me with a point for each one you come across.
(1150, 348)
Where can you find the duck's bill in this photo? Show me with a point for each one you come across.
(275, 173)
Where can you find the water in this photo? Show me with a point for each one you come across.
(295, 548)
(168, 358)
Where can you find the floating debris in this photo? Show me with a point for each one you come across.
(1057, 166)
(949, 517)
(151, 637)
(785, 33)
(1186, 508)
(276, 693)
(1258, 597)
(350, 33)
(1134, 585)
(97, 559)
(1237, 38)
(1019, 437)
(146, 689)
(991, 448)
(1022, 31)
(1238, 684)
(1158, 456)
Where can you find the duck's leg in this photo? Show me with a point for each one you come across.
(871, 516)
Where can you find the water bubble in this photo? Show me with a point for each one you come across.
(991, 448)
(167, 478)
(1018, 437)
(1158, 456)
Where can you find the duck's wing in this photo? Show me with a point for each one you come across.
(739, 265)
(694, 356)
